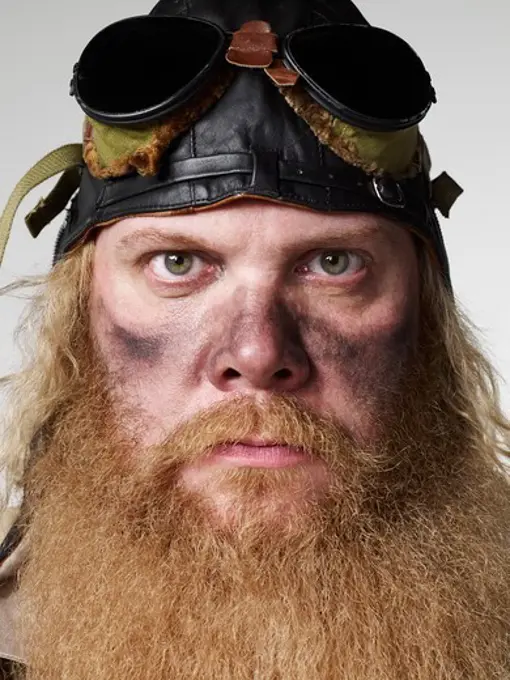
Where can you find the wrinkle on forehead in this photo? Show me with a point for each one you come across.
(249, 223)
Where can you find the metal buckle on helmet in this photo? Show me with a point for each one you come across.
(389, 191)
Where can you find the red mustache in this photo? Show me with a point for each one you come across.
(279, 420)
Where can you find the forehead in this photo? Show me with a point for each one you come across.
(251, 225)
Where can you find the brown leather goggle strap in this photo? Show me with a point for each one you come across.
(254, 46)
(281, 75)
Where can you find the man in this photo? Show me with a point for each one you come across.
(256, 438)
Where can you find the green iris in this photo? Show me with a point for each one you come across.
(179, 263)
(335, 263)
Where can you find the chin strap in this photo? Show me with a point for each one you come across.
(67, 160)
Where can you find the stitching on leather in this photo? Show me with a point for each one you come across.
(323, 165)
(101, 195)
(253, 154)
(318, 14)
(265, 150)
(328, 197)
(193, 142)
(319, 149)
(301, 199)
(193, 147)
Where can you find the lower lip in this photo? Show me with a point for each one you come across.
(244, 455)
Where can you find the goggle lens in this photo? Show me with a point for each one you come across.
(140, 69)
(364, 75)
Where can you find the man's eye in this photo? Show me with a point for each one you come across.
(176, 265)
(336, 263)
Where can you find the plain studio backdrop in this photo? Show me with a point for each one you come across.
(465, 46)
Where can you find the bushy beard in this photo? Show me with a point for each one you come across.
(399, 570)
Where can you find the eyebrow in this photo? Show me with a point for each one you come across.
(158, 238)
(154, 237)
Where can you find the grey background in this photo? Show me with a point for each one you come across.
(463, 43)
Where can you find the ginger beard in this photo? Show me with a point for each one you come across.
(398, 569)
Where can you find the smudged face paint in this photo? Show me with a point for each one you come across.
(373, 368)
(254, 300)
(137, 348)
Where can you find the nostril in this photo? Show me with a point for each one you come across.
(231, 373)
(283, 374)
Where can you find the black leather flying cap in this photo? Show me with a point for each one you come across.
(251, 143)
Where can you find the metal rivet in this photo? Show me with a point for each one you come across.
(389, 191)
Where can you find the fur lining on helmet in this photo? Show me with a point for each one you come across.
(377, 153)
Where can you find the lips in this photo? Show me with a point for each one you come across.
(258, 441)
(255, 452)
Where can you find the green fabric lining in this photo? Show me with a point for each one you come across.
(391, 152)
(113, 143)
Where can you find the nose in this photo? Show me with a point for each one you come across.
(259, 349)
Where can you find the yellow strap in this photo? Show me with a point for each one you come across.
(52, 205)
(59, 160)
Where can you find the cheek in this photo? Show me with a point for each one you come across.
(148, 364)
(368, 360)
(140, 341)
(135, 329)
(142, 350)
(137, 348)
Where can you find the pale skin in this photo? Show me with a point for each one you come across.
(254, 299)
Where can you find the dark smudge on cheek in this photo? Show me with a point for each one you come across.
(136, 351)
(373, 365)
(120, 344)
(145, 348)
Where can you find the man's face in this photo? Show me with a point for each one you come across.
(254, 300)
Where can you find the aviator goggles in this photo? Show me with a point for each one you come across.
(142, 69)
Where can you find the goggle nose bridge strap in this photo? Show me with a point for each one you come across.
(254, 46)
